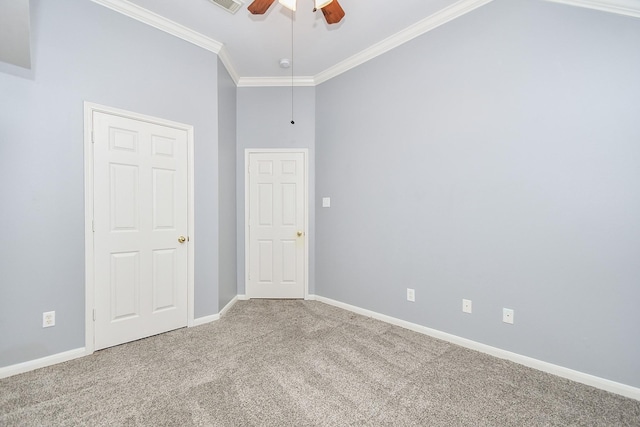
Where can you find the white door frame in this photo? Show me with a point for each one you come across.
(89, 109)
(305, 154)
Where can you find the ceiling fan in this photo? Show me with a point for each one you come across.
(331, 9)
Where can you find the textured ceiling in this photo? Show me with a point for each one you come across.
(252, 46)
(255, 44)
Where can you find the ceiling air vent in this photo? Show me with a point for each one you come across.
(230, 6)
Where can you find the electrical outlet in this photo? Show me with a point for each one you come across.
(507, 315)
(466, 306)
(48, 319)
(411, 295)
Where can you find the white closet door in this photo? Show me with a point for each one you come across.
(140, 217)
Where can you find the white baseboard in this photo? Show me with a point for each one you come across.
(228, 306)
(43, 362)
(243, 298)
(577, 376)
(590, 380)
(212, 318)
(205, 319)
(54, 359)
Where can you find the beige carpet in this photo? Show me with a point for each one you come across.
(300, 363)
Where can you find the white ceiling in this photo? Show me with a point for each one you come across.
(256, 43)
(251, 46)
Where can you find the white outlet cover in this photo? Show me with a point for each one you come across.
(507, 315)
(326, 202)
(48, 319)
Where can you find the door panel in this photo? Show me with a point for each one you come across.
(163, 199)
(140, 210)
(124, 197)
(125, 285)
(164, 279)
(277, 215)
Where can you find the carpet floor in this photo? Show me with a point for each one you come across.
(300, 363)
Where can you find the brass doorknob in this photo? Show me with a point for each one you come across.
(300, 233)
(182, 239)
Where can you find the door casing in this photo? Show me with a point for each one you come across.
(89, 109)
(305, 153)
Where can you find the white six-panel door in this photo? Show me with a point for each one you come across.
(276, 217)
(140, 217)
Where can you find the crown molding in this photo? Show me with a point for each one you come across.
(620, 7)
(456, 10)
(143, 15)
(150, 18)
(228, 64)
(421, 27)
(275, 81)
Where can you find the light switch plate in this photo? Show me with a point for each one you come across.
(326, 202)
(411, 295)
(507, 315)
(466, 306)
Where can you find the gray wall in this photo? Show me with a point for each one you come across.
(264, 116)
(227, 110)
(15, 36)
(83, 51)
(495, 158)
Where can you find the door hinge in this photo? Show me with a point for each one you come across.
(94, 314)
(93, 141)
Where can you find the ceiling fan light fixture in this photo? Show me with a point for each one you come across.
(289, 4)
(322, 3)
(331, 9)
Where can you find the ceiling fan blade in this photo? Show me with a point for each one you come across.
(333, 12)
(259, 7)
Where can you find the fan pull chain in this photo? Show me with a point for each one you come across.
(292, 65)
